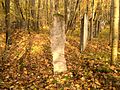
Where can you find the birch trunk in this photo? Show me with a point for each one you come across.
(58, 39)
(85, 36)
(84, 33)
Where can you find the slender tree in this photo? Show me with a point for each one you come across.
(7, 29)
(65, 13)
(19, 13)
(74, 7)
(84, 30)
(91, 22)
(115, 33)
(33, 15)
(38, 14)
(119, 20)
(51, 11)
(111, 22)
(47, 12)
(7, 21)
(97, 19)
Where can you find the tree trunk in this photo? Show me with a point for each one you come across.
(65, 13)
(119, 20)
(28, 21)
(96, 28)
(84, 33)
(58, 39)
(56, 2)
(72, 16)
(33, 14)
(111, 22)
(7, 21)
(115, 33)
(38, 14)
(92, 21)
(51, 11)
(19, 14)
(81, 34)
(47, 13)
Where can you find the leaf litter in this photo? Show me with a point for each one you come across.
(29, 65)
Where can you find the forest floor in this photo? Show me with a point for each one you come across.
(27, 65)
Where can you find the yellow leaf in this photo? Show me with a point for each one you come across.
(83, 79)
(88, 88)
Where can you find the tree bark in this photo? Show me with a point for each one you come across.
(65, 13)
(38, 14)
(7, 21)
(33, 14)
(58, 39)
(96, 28)
(19, 14)
(72, 17)
(92, 21)
(47, 15)
(111, 22)
(115, 33)
(81, 34)
(51, 11)
(84, 33)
